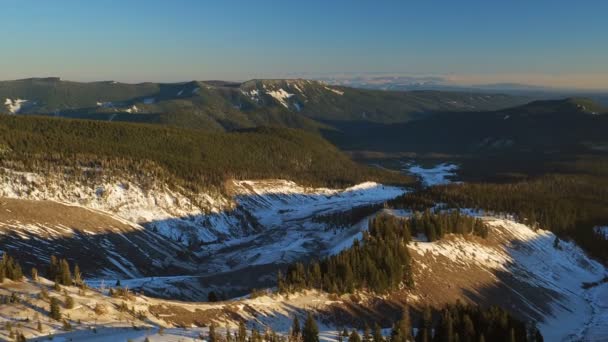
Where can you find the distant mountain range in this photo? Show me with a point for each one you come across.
(352, 118)
(219, 105)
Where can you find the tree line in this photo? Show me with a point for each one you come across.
(453, 323)
(10, 268)
(347, 218)
(379, 262)
(60, 271)
(434, 225)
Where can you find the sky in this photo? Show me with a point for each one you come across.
(556, 43)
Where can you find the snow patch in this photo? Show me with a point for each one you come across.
(105, 104)
(132, 109)
(280, 95)
(435, 175)
(335, 91)
(14, 106)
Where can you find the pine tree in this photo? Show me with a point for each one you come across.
(55, 310)
(556, 242)
(295, 327)
(367, 334)
(255, 335)
(242, 332)
(310, 333)
(426, 324)
(228, 335)
(446, 329)
(354, 336)
(377, 333)
(405, 325)
(77, 275)
(20, 337)
(468, 328)
(212, 336)
(69, 302)
(65, 274)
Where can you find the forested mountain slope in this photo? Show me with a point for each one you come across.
(190, 158)
(568, 125)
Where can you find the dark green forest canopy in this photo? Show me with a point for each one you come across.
(192, 158)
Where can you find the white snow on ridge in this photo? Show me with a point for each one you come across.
(433, 176)
(529, 256)
(335, 91)
(252, 94)
(132, 109)
(14, 106)
(277, 201)
(280, 95)
(105, 104)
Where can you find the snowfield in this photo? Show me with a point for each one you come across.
(438, 175)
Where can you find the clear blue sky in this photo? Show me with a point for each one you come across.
(154, 40)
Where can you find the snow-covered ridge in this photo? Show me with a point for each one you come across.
(180, 215)
(519, 252)
(171, 212)
(335, 91)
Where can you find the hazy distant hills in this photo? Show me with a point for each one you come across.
(218, 105)
(573, 124)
